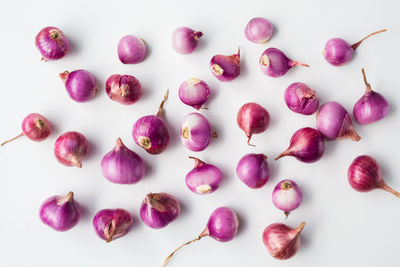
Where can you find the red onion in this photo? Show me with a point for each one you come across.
(365, 174)
(52, 43)
(225, 68)
(60, 212)
(111, 224)
(287, 196)
(252, 119)
(306, 145)
(34, 126)
(131, 50)
(196, 132)
(159, 209)
(194, 92)
(253, 170)
(80, 85)
(338, 52)
(124, 89)
(259, 30)
(334, 122)
(371, 107)
(150, 132)
(204, 178)
(184, 40)
(274, 63)
(222, 226)
(122, 166)
(70, 148)
(281, 240)
(301, 99)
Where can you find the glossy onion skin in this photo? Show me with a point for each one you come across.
(60, 212)
(196, 132)
(252, 119)
(364, 174)
(225, 68)
(153, 128)
(301, 99)
(371, 107)
(259, 30)
(274, 63)
(131, 50)
(204, 178)
(159, 209)
(337, 52)
(80, 85)
(252, 169)
(110, 224)
(36, 127)
(194, 92)
(287, 196)
(125, 89)
(122, 166)
(70, 148)
(223, 224)
(52, 43)
(185, 40)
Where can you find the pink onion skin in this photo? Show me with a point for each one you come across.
(80, 85)
(122, 166)
(52, 43)
(334, 122)
(60, 212)
(204, 178)
(301, 99)
(252, 169)
(274, 63)
(196, 132)
(151, 133)
(306, 145)
(225, 68)
(259, 30)
(124, 89)
(371, 107)
(281, 240)
(70, 148)
(338, 52)
(287, 196)
(131, 50)
(194, 92)
(111, 224)
(159, 209)
(185, 40)
(252, 119)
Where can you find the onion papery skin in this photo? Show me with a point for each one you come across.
(131, 50)
(287, 196)
(306, 145)
(52, 43)
(204, 178)
(80, 84)
(252, 119)
(159, 209)
(122, 166)
(301, 99)
(196, 132)
(110, 224)
(60, 212)
(150, 133)
(223, 224)
(185, 40)
(124, 89)
(364, 174)
(194, 93)
(259, 30)
(36, 127)
(70, 148)
(334, 122)
(337, 52)
(252, 169)
(225, 68)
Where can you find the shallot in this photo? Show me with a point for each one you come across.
(184, 40)
(131, 50)
(252, 119)
(194, 92)
(196, 132)
(306, 145)
(70, 148)
(52, 43)
(274, 63)
(150, 132)
(334, 122)
(259, 30)
(222, 225)
(34, 126)
(281, 240)
(80, 85)
(60, 212)
(252, 169)
(371, 107)
(287, 196)
(111, 224)
(301, 99)
(225, 68)
(365, 174)
(124, 89)
(204, 178)
(338, 52)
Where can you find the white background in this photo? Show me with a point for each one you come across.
(343, 226)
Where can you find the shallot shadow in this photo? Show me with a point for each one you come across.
(85, 212)
(136, 223)
(387, 173)
(243, 65)
(329, 147)
(93, 149)
(242, 222)
(201, 44)
(173, 134)
(146, 93)
(148, 50)
(149, 169)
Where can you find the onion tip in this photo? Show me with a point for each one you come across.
(161, 108)
(357, 44)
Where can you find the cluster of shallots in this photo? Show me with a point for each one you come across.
(121, 165)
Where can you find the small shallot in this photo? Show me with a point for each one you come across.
(196, 132)
(124, 89)
(259, 30)
(184, 40)
(70, 148)
(301, 99)
(252, 119)
(131, 50)
(225, 68)
(80, 85)
(52, 43)
(287, 196)
(252, 169)
(204, 178)
(194, 92)
(111, 224)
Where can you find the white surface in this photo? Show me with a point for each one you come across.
(343, 227)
